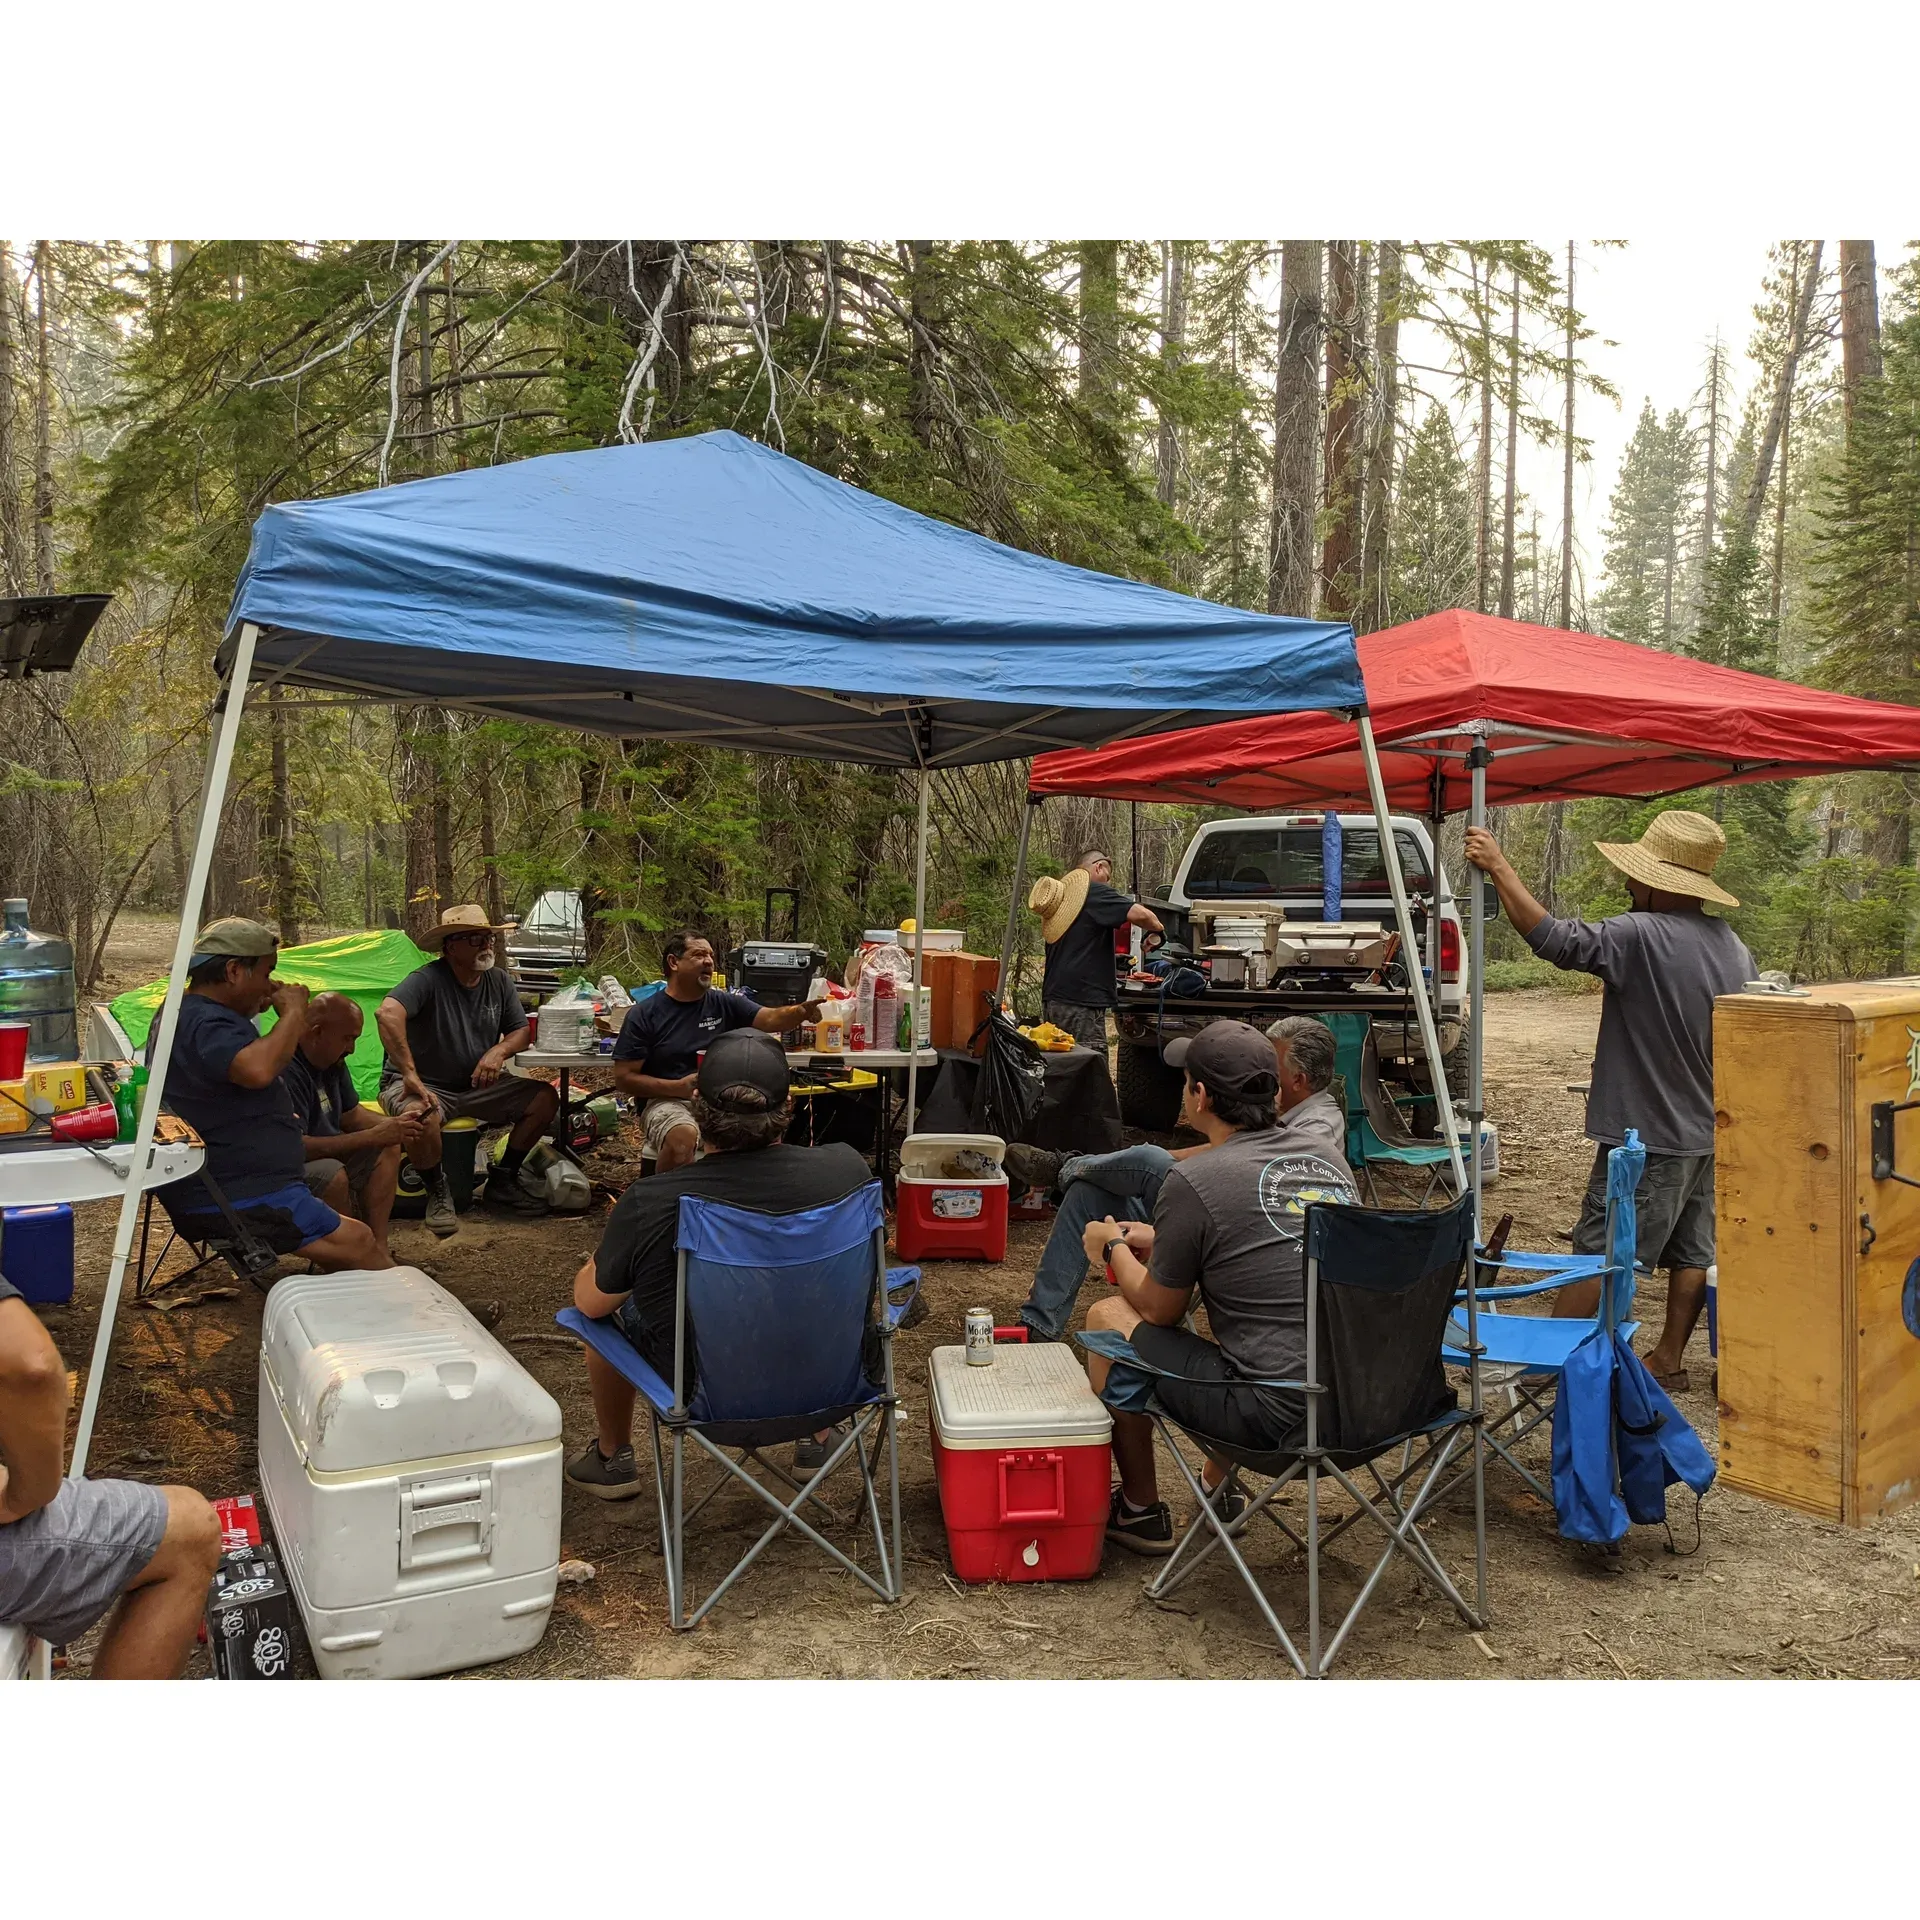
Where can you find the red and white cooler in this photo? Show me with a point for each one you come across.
(1022, 1449)
(942, 1216)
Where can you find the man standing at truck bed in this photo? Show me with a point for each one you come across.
(1078, 916)
(1662, 964)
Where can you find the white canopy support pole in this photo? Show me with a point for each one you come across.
(915, 1038)
(1410, 949)
(1477, 762)
(1005, 989)
(213, 793)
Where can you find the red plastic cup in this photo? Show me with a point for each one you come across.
(13, 1048)
(98, 1122)
(533, 1028)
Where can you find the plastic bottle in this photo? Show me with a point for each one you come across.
(831, 1036)
(36, 985)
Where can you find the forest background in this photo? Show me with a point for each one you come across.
(1309, 427)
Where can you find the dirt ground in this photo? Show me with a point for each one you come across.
(1769, 1591)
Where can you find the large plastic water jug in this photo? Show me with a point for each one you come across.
(36, 985)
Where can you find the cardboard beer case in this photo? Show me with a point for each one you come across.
(250, 1617)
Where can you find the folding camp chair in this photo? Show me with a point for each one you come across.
(1524, 1353)
(245, 1254)
(1379, 1288)
(1377, 1133)
(777, 1310)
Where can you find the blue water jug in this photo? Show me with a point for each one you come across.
(36, 985)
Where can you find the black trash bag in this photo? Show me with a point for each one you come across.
(1012, 1078)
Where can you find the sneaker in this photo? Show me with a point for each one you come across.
(443, 1217)
(508, 1196)
(615, 1479)
(1034, 1167)
(1149, 1532)
(1228, 1502)
(810, 1455)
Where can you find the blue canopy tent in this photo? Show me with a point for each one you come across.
(710, 589)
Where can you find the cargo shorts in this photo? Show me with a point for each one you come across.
(658, 1118)
(1674, 1205)
(499, 1105)
(63, 1567)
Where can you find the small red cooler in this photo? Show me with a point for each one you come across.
(944, 1216)
(1022, 1451)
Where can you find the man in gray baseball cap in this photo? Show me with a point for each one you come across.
(1226, 1231)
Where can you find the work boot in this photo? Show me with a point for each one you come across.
(443, 1217)
(1035, 1168)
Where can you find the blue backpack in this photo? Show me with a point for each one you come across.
(1611, 1409)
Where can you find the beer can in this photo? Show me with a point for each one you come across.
(979, 1337)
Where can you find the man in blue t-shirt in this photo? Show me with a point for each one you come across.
(224, 1080)
(662, 1038)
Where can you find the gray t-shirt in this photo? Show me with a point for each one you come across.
(1653, 1064)
(450, 1026)
(1229, 1222)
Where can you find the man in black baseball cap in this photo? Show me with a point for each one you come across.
(742, 1105)
(1226, 1227)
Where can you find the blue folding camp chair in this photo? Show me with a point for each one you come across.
(778, 1312)
(1524, 1353)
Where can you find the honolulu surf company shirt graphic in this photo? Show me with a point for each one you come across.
(1293, 1182)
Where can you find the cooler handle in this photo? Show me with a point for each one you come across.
(1029, 1461)
(1011, 1336)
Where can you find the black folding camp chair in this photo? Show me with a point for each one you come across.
(1379, 1290)
(231, 1241)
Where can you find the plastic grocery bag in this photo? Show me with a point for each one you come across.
(1012, 1078)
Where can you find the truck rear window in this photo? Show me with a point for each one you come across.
(1264, 863)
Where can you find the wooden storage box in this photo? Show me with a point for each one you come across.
(1819, 1372)
(957, 980)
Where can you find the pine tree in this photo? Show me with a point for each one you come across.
(1431, 563)
(1649, 533)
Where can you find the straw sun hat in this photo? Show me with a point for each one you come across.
(1677, 854)
(1058, 902)
(459, 920)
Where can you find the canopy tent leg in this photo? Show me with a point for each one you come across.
(919, 949)
(213, 793)
(1013, 904)
(1416, 976)
(1478, 760)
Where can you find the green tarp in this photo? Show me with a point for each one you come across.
(364, 966)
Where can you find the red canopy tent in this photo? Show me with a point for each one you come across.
(1469, 711)
(1567, 715)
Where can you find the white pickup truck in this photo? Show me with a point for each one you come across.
(1242, 882)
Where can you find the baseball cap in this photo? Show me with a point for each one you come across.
(744, 1057)
(235, 939)
(1228, 1057)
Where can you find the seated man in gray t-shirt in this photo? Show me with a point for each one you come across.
(449, 1029)
(1227, 1226)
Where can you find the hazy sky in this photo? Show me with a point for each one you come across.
(1658, 302)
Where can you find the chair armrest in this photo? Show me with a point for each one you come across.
(620, 1354)
(900, 1280)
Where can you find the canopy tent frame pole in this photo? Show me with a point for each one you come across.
(1477, 763)
(914, 1037)
(230, 705)
(1416, 974)
(1005, 989)
(1436, 820)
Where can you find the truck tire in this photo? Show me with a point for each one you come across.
(1149, 1089)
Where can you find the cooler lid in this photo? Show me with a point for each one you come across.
(374, 1369)
(1030, 1393)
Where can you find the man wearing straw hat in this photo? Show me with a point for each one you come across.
(1078, 915)
(1662, 965)
(449, 1029)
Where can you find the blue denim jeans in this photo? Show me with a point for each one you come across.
(1124, 1184)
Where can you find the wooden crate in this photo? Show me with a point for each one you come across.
(1819, 1374)
(957, 980)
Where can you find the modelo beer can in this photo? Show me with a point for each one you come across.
(979, 1337)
